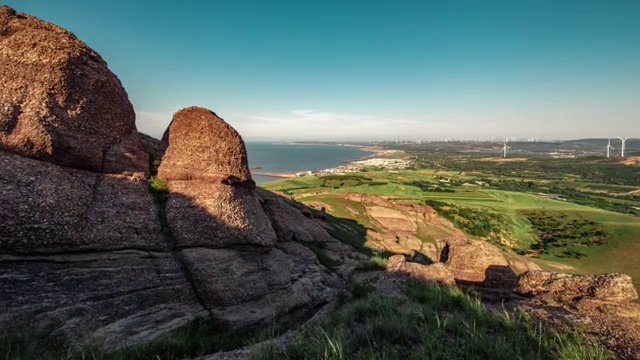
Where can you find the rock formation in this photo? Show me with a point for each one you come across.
(81, 248)
(436, 272)
(478, 263)
(204, 162)
(60, 103)
(223, 235)
(198, 145)
(86, 251)
(565, 287)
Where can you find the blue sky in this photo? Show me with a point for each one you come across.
(301, 70)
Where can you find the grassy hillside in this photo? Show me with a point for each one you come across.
(588, 239)
(429, 322)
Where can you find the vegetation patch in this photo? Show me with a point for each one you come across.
(474, 222)
(338, 181)
(158, 185)
(562, 235)
(427, 186)
(319, 249)
(200, 337)
(433, 322)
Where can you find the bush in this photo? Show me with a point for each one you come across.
(158, 185)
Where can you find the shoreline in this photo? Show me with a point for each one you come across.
(275, 174)
(374, 150)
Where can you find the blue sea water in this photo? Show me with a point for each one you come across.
(274, 157)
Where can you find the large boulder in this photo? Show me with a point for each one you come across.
(241, 269)
(436, 272)
(612, 287)
(212, 200)
(198, 145)
(481, 265)
(59, 101)
(215, 214)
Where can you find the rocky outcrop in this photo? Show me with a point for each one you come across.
(436, 272)
(198, 145)
(478, 263)
(48, 209)
(212, 200)
(293, 221)
(113, 297)
(242, 269)
(612, 287)
(244, 287)
(60, 103)
(82, 252)
(479, 266)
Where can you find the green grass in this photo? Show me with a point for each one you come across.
(434, 322)
(200, 337)
(323, 258)
(158, 185)
(376, 262)
(617, 255)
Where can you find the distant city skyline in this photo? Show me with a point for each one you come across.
(372, 70)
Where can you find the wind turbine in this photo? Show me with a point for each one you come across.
(622, 148)
(609, 147)
(504, 148)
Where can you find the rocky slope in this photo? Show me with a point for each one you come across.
(86, 250)
(89, 252)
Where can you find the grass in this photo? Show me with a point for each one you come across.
(200, 337)
(616, 255)
(323, 258)
(376, 262)
(158, 185)
(433, 322)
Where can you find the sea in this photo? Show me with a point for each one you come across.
(287, 157)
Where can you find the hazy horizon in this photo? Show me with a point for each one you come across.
(359, 71)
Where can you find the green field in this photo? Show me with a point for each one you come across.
(617, 254)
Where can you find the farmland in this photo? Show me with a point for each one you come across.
(563, 221)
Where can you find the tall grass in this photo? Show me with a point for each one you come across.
(200, 337)
(433, 322)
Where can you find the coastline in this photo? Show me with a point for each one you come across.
(374, 150)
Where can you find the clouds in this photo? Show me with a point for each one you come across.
(303, 115)
(313, 124)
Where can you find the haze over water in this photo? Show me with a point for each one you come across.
(274, 157)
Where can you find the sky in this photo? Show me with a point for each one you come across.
(371, 70)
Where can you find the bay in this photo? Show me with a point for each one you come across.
(287, 158)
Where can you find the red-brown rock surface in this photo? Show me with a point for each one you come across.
(481, 266)
(60, 103)
(198, 145)
(212, 200)
(478, 262)
(436, 272)
(49, 209)
(87, 252)
(565, 287)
